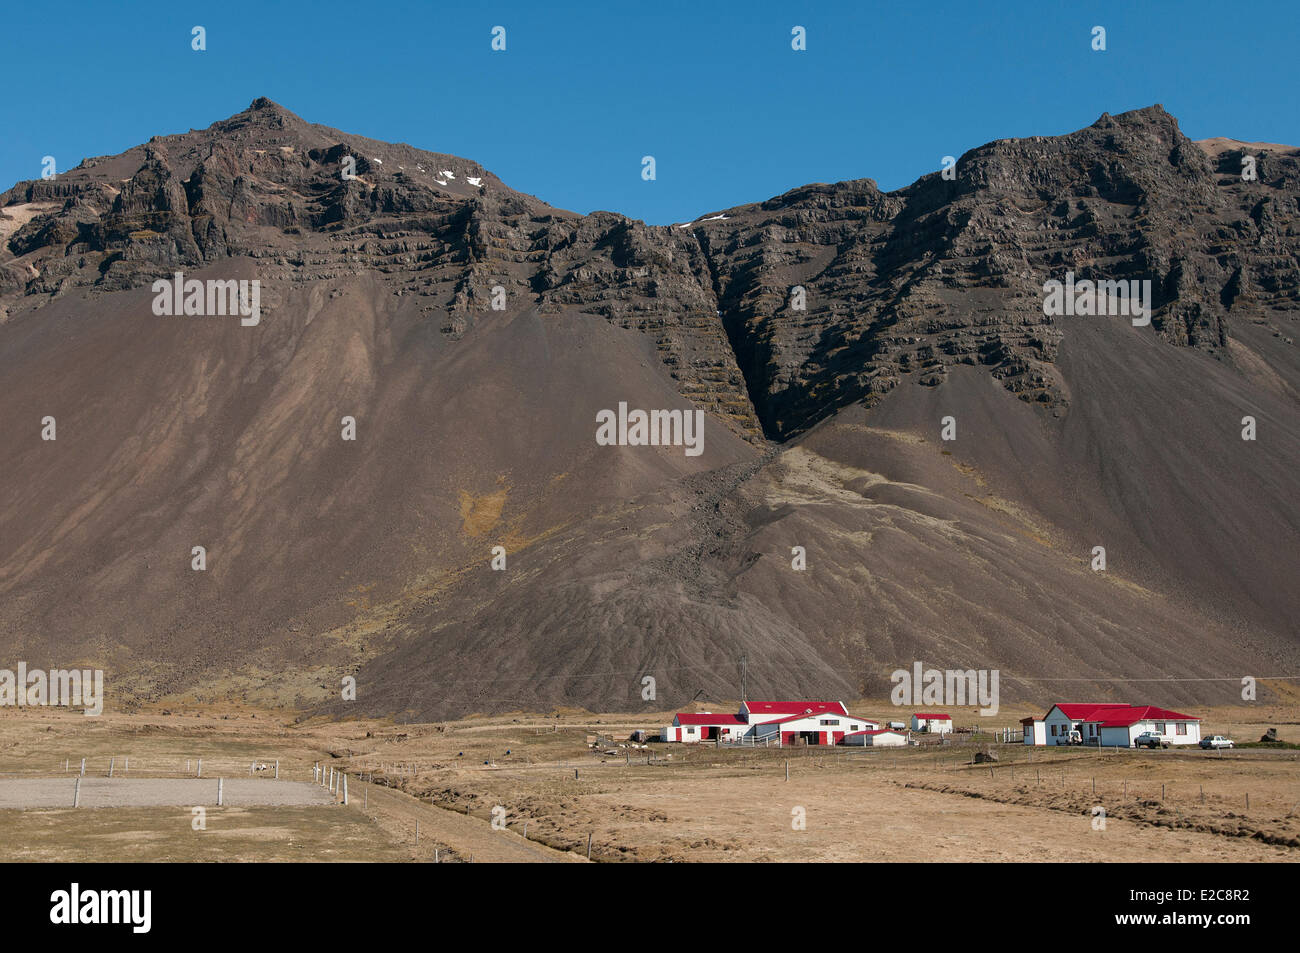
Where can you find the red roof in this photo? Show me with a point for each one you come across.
(805, 714)
(706, 718)
(1091, 712)
(1145, 713)
(795, 708)
(1118, 715)
(933, 717)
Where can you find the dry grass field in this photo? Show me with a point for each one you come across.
(658, 803)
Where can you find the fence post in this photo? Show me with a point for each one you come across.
(345, 790)
(83, 767)
(220, 790)
(589, 846)
(111, 762)
(200, 772)
(277, 770)
(76, 793)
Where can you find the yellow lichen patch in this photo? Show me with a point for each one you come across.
(478, 514)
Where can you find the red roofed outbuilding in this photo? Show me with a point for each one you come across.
(936, 723)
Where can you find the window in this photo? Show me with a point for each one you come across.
(830, 721)
(1053, 731)
(1181, 728)
(1160, 727)
(855, 727)
(690, 731)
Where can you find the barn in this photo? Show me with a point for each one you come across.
(876, 738)
(934, 722)
(811, 727)
(756, 712)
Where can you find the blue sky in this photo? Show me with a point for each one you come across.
(711, 89)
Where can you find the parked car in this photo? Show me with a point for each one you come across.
(1150, 739)
(1218, 741)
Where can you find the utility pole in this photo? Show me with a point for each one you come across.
(744, 664)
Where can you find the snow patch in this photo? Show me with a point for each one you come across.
(474, 181)
(711, 218)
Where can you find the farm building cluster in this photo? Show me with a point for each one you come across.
(830, 723)
(794, 723)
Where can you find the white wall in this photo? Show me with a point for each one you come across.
(886, 739)
(937, 726)
(1062, 725)
(1170, 733)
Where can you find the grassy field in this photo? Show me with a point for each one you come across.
(232, 834)
(657, 803)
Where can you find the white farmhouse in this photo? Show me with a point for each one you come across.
(1111, 725)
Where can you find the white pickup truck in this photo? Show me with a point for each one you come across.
(1218, 741)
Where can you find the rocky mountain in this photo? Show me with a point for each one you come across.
(474, 333)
